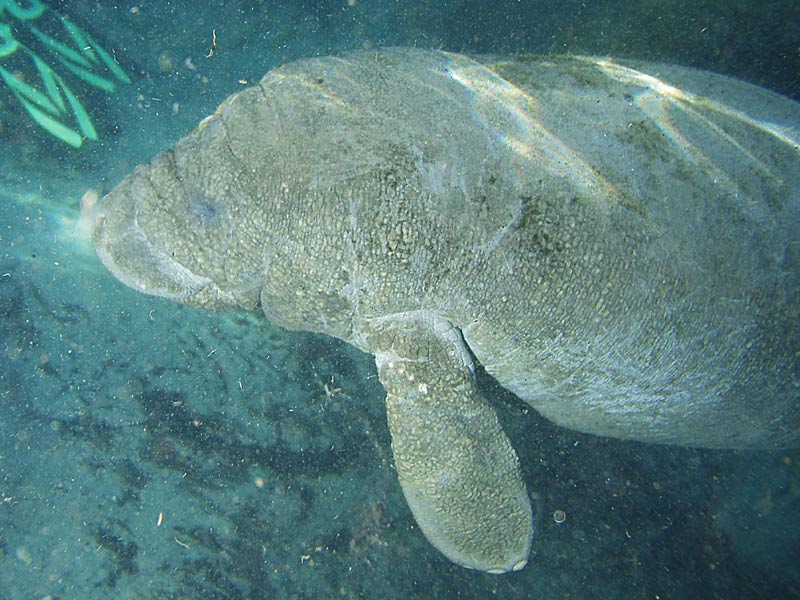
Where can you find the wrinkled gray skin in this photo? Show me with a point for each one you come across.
(620, 253)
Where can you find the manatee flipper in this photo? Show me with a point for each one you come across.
(459, 473)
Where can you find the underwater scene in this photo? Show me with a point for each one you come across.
(463, 299)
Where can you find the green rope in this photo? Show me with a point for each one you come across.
(42, 92)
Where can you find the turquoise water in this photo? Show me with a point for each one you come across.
(149, 450)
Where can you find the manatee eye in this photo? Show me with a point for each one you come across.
(202, 208)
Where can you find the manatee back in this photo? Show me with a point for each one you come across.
(648, 285)
(618, 243)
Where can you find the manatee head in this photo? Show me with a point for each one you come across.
(141, 236)
(210, 221)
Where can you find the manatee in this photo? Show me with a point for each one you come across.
(615, 242)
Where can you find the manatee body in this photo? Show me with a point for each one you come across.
(615, 242)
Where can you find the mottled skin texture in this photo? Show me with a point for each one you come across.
(622, 254)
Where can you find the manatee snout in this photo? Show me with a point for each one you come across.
(136, 256)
